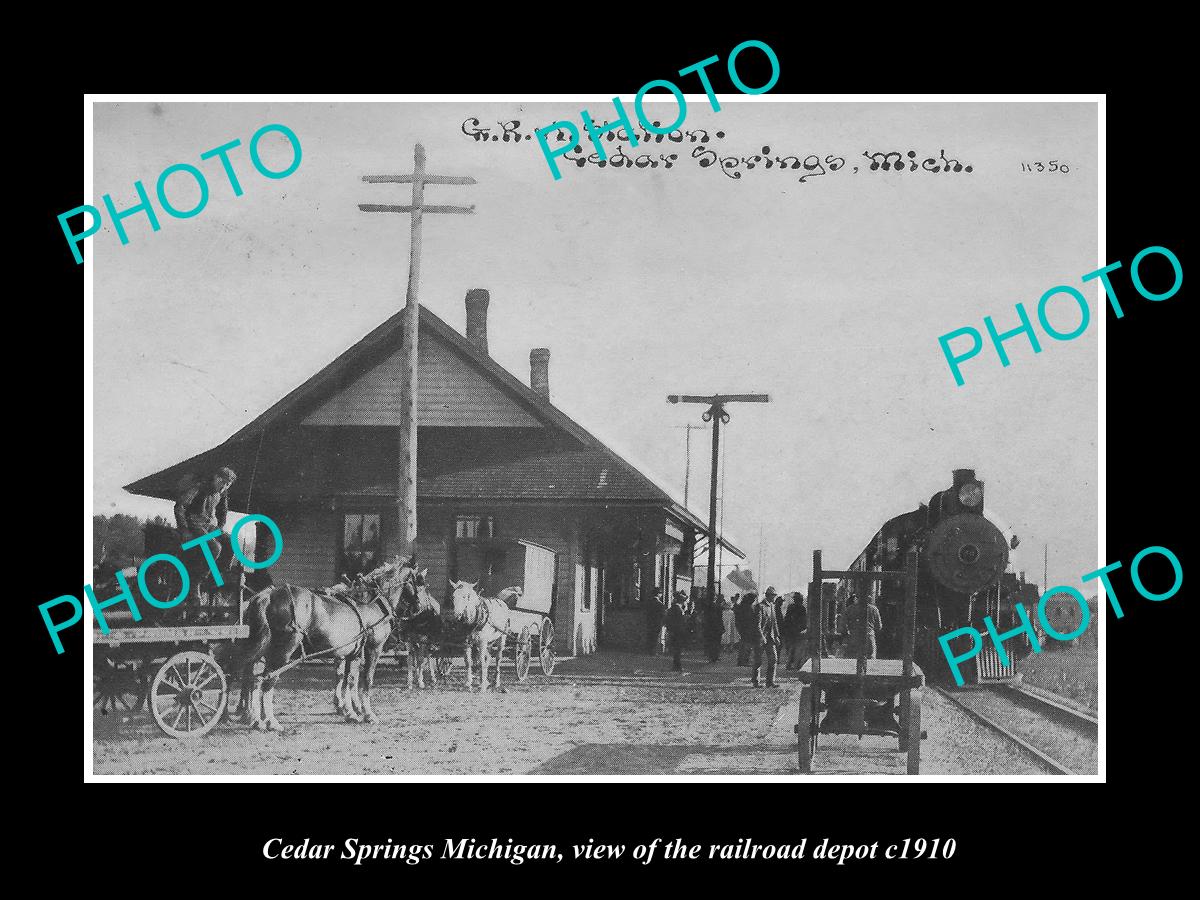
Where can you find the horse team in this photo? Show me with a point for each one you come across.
(354, 623)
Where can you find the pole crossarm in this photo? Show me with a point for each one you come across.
(719, 399)
(428, 179)
(385, 207)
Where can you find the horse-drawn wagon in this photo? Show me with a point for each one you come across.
(191, 646)
(187, 648)
(527, 571)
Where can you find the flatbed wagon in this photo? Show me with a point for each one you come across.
(172, 662)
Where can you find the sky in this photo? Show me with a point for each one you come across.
(829, 295)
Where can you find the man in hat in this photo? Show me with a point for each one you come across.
(201, 508)
(766, 639)
(677, 629)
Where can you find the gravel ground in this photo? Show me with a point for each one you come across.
(610, 713)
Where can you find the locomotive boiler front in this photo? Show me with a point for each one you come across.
(966, 553)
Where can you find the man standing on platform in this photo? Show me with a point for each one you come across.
(677, 629)
(766, 639)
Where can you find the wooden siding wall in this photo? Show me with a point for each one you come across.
(452, 392)
(432, 548)
(625, 628)
(310, 538)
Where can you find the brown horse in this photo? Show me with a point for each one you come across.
(491, 627)
(343, 626)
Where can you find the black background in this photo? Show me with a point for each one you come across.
(997, 826)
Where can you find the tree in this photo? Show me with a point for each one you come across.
(118, 542)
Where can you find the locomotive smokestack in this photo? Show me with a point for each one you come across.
(962, 476)
(477, 306)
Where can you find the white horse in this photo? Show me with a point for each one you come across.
(490, 616)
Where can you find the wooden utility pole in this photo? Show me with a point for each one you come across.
(717, 415)
(687, 459)
(761, 573)
(407, 500)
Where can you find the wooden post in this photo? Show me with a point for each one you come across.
(910, 612)
(816, 591)
(407, 499)
(717, 415)
(407, 483)
(713, 538)
(908, 626)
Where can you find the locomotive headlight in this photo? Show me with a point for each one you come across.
(970, 495)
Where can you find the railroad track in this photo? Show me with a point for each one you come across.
(1062, 739)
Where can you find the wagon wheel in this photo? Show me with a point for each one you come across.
(806, 731)
(117, 686)
(546, 647)
(523, 651)
(188, 695)
(914, 733)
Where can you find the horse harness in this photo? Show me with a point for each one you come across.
(358, 641)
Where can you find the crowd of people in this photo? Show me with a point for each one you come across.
(765, 629)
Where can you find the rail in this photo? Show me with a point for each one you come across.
(1079, 724)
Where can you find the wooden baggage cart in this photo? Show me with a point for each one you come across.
(853, 685)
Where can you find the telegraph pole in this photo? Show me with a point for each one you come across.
(717, 415)
(408, 347)
(687, 459)
(762, 576)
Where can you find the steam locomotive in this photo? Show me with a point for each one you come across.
(962, 579)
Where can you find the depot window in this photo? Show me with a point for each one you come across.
(362, 546)
(474, 527)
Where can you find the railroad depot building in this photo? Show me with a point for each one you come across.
(497, 463)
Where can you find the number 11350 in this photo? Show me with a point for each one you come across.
(1053, 166)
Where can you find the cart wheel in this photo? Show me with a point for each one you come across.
(188, 695)
(546, 647)
(914, 733)
(117, 686)
(806, 737)
(444, 665)
(523, 653)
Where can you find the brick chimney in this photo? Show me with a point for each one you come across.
(539, 370)
(477, 306)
